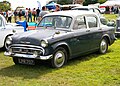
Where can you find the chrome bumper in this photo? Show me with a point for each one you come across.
(28, 56)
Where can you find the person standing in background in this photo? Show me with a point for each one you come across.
(26, 14)
(34, 14)
(20, 14)
(43, 12)
(1, 11)
(6, 16)
(37, 14)
(29, 15)
(57, 8)
(15, 15)
(9, 15)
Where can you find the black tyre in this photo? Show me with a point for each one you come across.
(59, 58)
(15, 60)
(103, 46)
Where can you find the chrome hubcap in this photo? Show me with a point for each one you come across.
(103, 46)
(59, 58)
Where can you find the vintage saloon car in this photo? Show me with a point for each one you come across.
(61, 36)
(8, 29)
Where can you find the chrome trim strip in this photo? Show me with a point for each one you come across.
(23, 45)
(24, 55)
(25, 48)
(28, 56)
(46, 57)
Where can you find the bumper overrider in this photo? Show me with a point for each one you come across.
(27, 51)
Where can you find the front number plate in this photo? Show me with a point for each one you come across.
(26, 61)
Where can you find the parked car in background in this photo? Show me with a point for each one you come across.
(88, 8)
(69, 6)
(20, 8)
(6, 30)
(61, 36)
(117, 32)
(92, 9)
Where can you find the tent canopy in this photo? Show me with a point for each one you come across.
(52, 5)
(111, 3)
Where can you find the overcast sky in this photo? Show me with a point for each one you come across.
(26, 3)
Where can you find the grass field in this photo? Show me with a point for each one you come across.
(90, 70)
(110, 16)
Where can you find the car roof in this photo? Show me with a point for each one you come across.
(86, 7)
(71, 5)
(71, 13)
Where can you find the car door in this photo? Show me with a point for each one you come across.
(80, 42)
(1, 32)
(95, 33)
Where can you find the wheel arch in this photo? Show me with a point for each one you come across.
(65, 46)
(6, 38)
(107, 37)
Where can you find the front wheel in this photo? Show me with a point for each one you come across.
(59, 58)
(15, 60)
(103, 46)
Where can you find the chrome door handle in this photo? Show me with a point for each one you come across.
(100, 29)
(87, 30)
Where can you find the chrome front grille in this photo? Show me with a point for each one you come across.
(22, 51)
(27, 49)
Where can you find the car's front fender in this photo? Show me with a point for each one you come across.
(62, 44)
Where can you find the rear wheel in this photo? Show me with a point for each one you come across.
(103, 46)
(59, 58)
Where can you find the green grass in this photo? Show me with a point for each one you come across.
(110, 16)
(90, 70)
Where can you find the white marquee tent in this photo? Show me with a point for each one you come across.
(111, 3)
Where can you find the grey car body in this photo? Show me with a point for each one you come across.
(81, 32)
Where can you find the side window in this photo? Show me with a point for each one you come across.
(0, 22)
(80, 22)
(97, 11)
(91, 10)
(92, 21)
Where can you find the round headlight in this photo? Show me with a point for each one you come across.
(44, 43)
(9, 40)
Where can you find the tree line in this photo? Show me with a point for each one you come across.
(5, 5)
(85, 2)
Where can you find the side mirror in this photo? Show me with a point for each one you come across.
(111, 23)
(103, 21)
